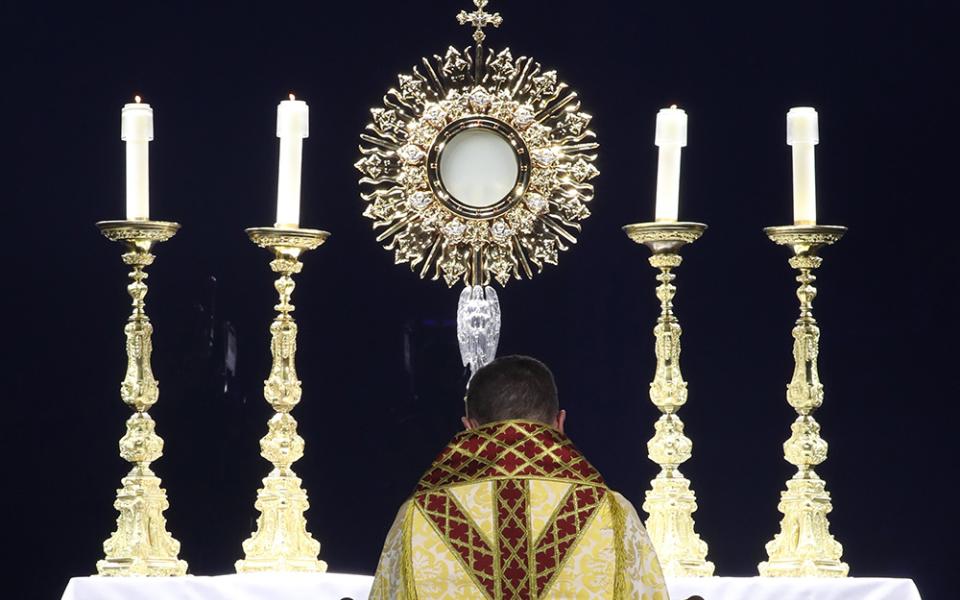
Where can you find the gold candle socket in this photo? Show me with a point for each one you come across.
(281, 541)
(804, 546)
(670, 503)
(141, 544)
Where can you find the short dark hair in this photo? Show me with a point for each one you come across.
(513, 387)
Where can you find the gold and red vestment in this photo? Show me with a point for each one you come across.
(512, 510)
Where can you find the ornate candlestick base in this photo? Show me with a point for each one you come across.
(141, 544)
(282, 542)
(670, 503)
(804, 546)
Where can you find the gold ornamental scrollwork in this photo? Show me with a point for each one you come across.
(141, 544)
(526, 105)
(804, 547)
(281, 541)
(670, 503)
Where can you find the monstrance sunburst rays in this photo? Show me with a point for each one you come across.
(536, 113)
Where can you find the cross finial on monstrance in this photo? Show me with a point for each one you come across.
(479, 19)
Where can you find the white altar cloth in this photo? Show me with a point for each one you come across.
(789, 588)
(248, 586)
(334, 586)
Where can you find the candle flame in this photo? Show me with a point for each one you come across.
(292, 97)
(673, 106)
(137, 98)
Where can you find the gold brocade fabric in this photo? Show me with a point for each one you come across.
(512, 510)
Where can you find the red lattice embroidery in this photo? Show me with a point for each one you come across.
(509, 454)
(513, 506)
(509, 449)
(461, 536)
(562, 533)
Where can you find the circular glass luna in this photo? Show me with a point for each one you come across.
(478, 167)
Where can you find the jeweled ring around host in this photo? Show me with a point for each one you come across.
(485, 124)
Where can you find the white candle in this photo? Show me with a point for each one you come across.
(136, 129)
(802, 135)
(671, 136)
(292, 127)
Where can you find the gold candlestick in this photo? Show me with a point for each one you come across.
(804, 546)
(670, 503)
(281, 541)
(141, 544)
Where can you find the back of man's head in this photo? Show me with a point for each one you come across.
(513, 387)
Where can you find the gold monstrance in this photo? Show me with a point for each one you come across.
(478, 167)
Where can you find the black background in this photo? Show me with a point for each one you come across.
(377, 355)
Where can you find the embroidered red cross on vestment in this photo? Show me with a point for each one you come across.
(514, 565)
